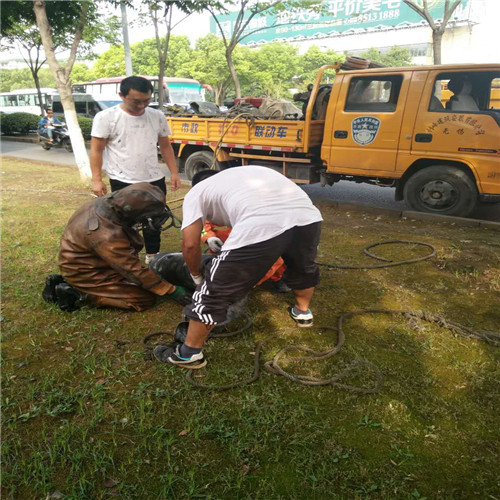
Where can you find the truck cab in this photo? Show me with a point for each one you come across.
(432, 132)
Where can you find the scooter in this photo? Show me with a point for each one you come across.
(60, 138)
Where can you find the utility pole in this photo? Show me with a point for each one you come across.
(126, 43)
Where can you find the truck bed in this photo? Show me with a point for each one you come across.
(269, 135)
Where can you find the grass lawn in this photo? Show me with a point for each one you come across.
(85, 416)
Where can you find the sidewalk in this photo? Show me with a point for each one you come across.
(33, 138)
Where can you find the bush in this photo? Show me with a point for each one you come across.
(86, 126)
(18, 123)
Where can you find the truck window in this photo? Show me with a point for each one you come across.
(81, 108)
(57, 107)
(495, 94)
(466, 92)
(374, 93)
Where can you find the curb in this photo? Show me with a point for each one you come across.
(26, 138)
(23, 138)
(408, 214)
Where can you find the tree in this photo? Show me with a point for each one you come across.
(144, 58)
(110, 63)
(82, 73)
(83, 25)
(248, 10)
(274, 64)
(160, 13)
(13, 79)
(310, 62)
(394, 57)
(438, 29)
(208, 65)
(19, 30)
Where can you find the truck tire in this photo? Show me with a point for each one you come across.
(201, 160)
(441, 190)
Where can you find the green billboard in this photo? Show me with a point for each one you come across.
(340, 17)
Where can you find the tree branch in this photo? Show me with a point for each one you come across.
(423, 12)
(78, 36)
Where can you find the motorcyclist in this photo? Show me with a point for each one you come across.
(98, 257)
(46, 125)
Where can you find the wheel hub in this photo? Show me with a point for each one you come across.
(439, 194)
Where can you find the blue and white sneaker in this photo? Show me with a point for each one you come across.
(303, 320)
(170, 354)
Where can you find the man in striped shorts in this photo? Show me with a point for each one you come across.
(271, 217)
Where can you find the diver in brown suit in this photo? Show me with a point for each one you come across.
(98, 257)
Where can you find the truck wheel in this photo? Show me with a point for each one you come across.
(441, 190)
(201, 160)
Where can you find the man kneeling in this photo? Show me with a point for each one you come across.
(99, 251)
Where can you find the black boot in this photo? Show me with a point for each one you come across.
(171, 267)
(281, 287)
(69, 299)
(49, 292)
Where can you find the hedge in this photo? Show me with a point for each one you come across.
(23, 123)
(18, 123)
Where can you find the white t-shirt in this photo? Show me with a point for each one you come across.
(257, 202)
(131, 155)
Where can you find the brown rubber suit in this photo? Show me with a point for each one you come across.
(99, 249)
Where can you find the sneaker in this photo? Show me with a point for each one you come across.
(281, 287)
(170, 354)
(49, 292)
(303, 320)
(69, 299)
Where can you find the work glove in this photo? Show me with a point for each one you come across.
(181, 296)
(215, 244)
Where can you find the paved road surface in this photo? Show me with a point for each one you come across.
(344, 191)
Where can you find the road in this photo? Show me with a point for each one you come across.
(342, 192)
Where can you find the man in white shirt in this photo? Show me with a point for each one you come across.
(123, 143)
(271, 217)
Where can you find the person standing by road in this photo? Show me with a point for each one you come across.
(124, 145)
(270, 217)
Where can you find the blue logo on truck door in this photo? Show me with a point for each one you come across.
(365, 129)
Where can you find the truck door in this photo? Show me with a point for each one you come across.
(457, 120)
(367, 123)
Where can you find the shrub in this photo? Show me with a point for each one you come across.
(86, 126)
(18, 123)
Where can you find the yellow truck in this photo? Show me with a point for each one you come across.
(432, 132)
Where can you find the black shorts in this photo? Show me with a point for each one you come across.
(233, 273)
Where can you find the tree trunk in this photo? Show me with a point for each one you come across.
(161, 93)
(75, 132)
(232, 70)
(437, 37)
(162, 49)
(63, 83)
(126, 43)
(36, 79)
